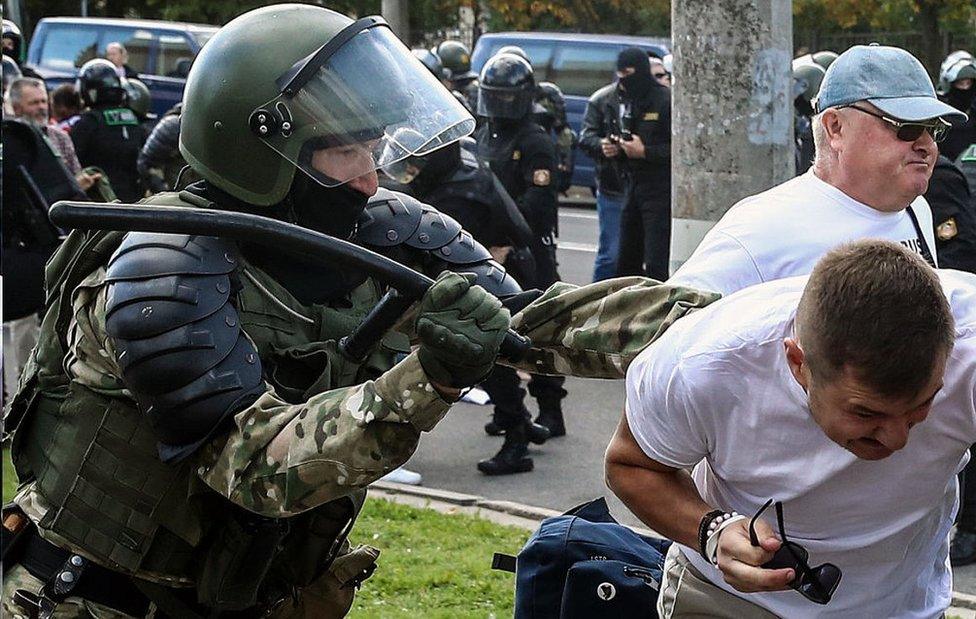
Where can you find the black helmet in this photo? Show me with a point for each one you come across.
(433, 63)
(506, 88)
(515, 50)
(10, 72)
(12, 32)
(456, 58)
(99, 84)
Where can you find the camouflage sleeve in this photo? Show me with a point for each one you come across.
(279, 459)
(595, 331)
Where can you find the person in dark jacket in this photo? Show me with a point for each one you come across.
(957, 87)
(601, 126)
(108, 134)
(645, 141)
(160, 162)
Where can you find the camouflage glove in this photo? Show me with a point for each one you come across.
(460, 327)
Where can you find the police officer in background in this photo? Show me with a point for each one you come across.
(645, 141)
(160, 164)
(456, 58)
(957, 87)
(433, 63)
(108, 135)
(807, 76)
(522, 156)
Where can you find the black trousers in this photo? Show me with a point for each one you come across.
(645, 232)
(503, 384)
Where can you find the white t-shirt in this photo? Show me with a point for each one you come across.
(782, 232)
(716, 390)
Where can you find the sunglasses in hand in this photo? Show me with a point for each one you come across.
(816, 584)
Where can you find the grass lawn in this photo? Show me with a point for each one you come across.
(430, 562)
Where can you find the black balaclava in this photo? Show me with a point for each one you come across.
(640, 81)
(962, 100)
(332, 211)
(437, 168)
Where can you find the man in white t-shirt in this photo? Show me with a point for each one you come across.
(806, 391)
(849, 397)
(875, 134)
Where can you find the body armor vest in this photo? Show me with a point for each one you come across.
(92, 456)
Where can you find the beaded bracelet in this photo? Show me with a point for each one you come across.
(703, 529)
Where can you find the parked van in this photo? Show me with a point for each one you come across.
(579, 64)
(161, 52)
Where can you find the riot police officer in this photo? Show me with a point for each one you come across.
(160, 165)
(108, 135)
(957, 87)
(807, 76)
(188, 416)
(456, 58)
(521, 155)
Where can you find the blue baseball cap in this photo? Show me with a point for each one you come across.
(889, 78)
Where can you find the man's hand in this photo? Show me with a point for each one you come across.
(610, 149)
(460, 327)
(633, 148)
(86, 180)
(739, 560)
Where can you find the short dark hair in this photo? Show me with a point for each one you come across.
(878, 308)
(66, 96)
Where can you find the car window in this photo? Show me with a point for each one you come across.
(67, 47)
(582, 69)
(175, 56)
(202, 36)
(137, 42)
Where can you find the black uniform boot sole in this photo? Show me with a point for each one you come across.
(493, 429)
(492, 466)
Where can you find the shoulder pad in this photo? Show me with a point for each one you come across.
(153, 254)
(178, 338)
(390, 217)
(492, 277)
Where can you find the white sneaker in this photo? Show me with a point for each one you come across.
(403, 476)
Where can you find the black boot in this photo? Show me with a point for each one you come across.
(962, 549)
(511, 458)
(538, 433)
(551, 416)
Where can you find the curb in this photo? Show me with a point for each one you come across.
(534, 514)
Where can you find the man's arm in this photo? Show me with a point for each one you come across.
(595, 331)
(591, 129)
(666, 499)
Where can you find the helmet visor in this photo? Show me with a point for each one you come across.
(370, 104)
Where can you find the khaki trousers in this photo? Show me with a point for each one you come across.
(687, 594)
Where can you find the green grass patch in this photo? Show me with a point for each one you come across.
(435, 563)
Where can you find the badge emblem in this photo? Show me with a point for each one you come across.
(541, 178)
(947, 229)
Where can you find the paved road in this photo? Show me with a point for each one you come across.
(568, 470)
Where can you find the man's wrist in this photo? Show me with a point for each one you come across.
(715, 532)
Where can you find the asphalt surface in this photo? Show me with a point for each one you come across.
(568, 470)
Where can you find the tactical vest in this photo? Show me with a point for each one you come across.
(92, 456)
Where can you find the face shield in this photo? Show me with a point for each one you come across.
(360, 103)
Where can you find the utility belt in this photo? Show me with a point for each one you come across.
(63, 573)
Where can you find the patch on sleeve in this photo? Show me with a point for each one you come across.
(651, 116)
(947, 229)
(541, 178)
(516, 155)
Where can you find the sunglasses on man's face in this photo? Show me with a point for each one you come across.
(817, 584)
(909, 132)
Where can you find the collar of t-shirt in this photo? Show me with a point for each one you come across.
(848, 202)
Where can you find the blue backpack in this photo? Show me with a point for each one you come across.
(585, 564)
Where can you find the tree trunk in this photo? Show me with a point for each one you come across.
(928, 21)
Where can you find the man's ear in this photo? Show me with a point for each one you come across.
(795, 358)
(833, 123)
